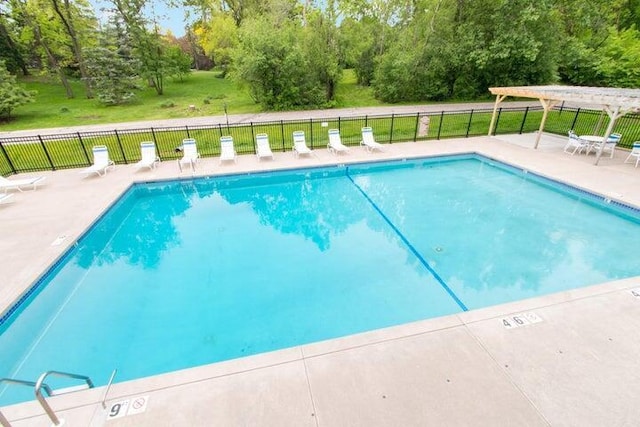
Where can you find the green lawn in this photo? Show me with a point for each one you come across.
(203, 89)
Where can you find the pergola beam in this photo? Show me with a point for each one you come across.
(547, 104)
(499, 99)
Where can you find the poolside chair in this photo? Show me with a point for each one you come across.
(149, 158)
(101, 161)
(576, 143)
(609, 145)
(335, 145)
(190, 154)
(369, 141)
(5, 197)
(262, 146)
(18, 184)
(635, 152)
(227, 150)
(300, 144)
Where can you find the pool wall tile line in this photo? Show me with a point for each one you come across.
(410, 246)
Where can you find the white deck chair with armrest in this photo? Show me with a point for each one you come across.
(575, 143)
(262, 146)
(101, 161)
(300, 144)
(18, 184)
(635, 152)
(369, 141)
(149, 157)
(335, 145)
(190, 154)
(227, 150)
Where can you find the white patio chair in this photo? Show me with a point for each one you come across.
(101, 161)
(149, 157)
(335, 144)
(369, 141)
(227, 150)
(300, 144)
(262, 146)
(635, 152)
(18, 184)
(190, 154)
(576, 143)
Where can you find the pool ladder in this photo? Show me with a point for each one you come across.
(41, 385)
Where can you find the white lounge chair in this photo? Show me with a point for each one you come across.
(101, 161)
(369, 141)
(149, 157)
(18, 184)
(262, 146)
(610, 145)
(300, 144)
(335, 145)
(5, 197)
(576, 143)
(227, 150)
(190, 154)
(635, 152)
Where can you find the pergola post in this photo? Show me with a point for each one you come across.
(499, 99)
(613, 116)
(547, 104)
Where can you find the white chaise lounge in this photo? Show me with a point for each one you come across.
(369, 141)
(101, 161)
(335, 145)
(190, 154)
(149, 157)
(227, 150)
(19, 184)
(263, 149)
(300, 144)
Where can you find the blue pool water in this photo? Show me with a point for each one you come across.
(185, 273)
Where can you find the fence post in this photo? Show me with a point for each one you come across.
(524, 119)
(391, 130)
(495, 129)
(187, 129)
(6, 155)
(253, 137)
(415, 131)
(339, 122)
(120, 146)
(366, 120)
(220, 128)
(282, 133)
(311, 131)
(84, 149)
(575, 119)
(469, 123)
(440, 125)
(44, 148)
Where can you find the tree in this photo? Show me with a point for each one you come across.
(67, 13)
(112, 74)
(11, 94)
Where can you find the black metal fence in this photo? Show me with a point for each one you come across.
(72, 150)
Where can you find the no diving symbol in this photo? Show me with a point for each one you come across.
(138, 405)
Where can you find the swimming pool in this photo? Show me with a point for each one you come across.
(184, 273)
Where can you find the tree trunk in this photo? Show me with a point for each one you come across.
(53, 62)
(76, 48)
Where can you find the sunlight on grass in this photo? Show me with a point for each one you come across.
(203, 89)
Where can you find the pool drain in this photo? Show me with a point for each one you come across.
(438, 249)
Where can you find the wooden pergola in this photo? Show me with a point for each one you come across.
(616, 102)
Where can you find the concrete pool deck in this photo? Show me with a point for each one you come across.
(574, 362)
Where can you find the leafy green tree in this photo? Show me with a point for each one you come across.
(12, 95)
(112, 75)
(622, 50)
